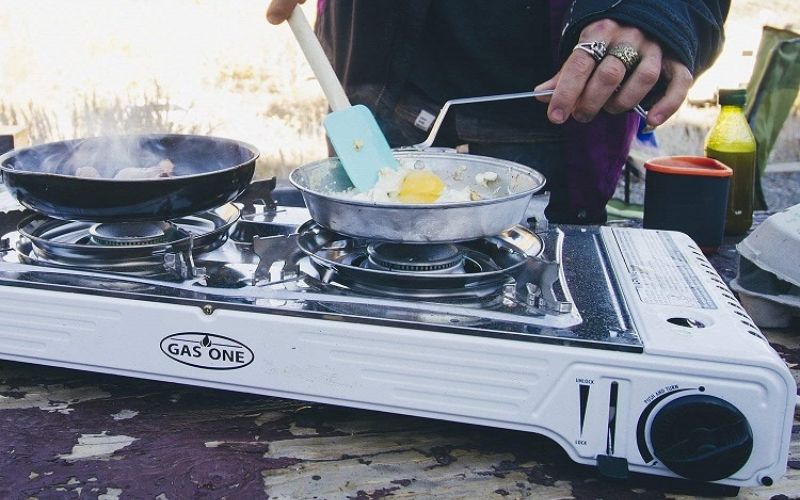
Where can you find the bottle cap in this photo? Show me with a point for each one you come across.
(732, 97)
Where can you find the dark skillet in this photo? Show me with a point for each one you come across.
(208, 173)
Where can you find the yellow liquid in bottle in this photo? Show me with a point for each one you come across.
(731, 142)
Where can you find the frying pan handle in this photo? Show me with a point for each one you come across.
(427, 143)
(318, 60)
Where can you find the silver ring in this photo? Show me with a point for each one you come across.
(596, 49)
(627, 54)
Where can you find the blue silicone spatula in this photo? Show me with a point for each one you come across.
(359, 143)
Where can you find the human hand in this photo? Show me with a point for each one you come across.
(584, 86)
(280, 10)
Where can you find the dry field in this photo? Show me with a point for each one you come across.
(91, 67)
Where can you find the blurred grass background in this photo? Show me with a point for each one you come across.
(91, 67)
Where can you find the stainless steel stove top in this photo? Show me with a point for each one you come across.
(520, 284)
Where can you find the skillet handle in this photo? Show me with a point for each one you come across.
(427, 143)
(437, 123)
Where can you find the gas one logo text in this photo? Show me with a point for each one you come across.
(206, 350)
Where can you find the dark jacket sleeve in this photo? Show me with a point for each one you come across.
(689, 30)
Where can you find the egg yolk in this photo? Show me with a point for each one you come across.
(420, 186)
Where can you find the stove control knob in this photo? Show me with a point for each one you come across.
(701, 437)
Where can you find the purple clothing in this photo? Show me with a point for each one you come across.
(595, 152)
(594, 155)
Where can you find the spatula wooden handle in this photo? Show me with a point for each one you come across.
(318, 60)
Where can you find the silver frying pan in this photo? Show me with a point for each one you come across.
(501, 203)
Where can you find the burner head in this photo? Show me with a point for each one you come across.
(415, 258)
(130, 233)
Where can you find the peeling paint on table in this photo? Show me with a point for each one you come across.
(62, 436)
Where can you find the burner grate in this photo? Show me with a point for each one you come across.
(472, 269)
(134, 247)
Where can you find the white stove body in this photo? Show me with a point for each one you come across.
(598, 404)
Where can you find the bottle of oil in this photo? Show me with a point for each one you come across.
(731, 142)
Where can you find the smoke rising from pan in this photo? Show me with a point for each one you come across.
(191, 155)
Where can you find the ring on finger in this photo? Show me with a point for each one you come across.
(628, 55)
(596, 49)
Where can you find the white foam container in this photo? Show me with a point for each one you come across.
(773, 248)
(774, 245)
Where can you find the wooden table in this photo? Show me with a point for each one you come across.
(70, 434)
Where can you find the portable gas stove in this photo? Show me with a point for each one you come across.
(622, 345)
